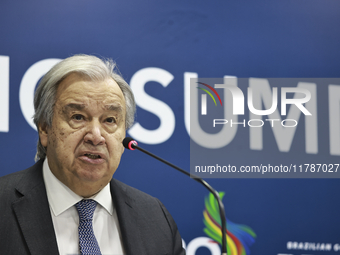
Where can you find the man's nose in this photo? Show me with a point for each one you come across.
(94, 134)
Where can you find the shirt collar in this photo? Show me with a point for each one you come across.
(61, 197)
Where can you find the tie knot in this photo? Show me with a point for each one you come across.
(86, 209)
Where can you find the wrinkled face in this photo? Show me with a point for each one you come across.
(84, 142)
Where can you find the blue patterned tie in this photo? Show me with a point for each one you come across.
(88, 244)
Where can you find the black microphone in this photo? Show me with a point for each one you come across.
(131, 144)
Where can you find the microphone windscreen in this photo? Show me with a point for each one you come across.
(127, 142)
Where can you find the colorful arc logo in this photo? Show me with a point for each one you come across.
(239, 237)
(213, 90)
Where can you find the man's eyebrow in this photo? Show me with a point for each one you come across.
(73, 106)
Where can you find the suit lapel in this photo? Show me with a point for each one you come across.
(33, 213)
(133, 241)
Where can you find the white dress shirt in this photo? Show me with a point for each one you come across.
(66, 219)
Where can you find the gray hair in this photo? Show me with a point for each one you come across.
(91, 67)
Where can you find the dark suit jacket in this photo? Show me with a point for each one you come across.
(26, 225)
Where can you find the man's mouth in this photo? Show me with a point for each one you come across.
(92, 156)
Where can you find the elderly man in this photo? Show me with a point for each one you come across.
(68, 203)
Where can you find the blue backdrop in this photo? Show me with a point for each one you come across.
(259, 38)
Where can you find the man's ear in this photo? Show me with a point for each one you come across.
(43, 134)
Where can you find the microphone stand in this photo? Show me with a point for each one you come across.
(131, 144)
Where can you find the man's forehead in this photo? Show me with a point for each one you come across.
(80, 106)
(83, 80)
(75, 88)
